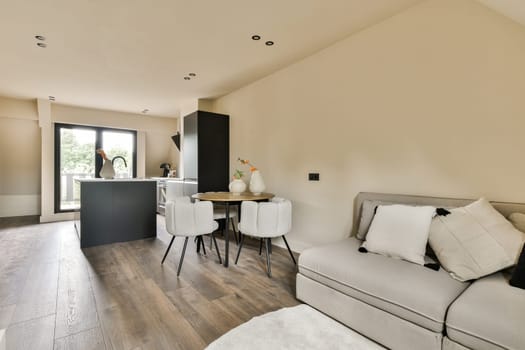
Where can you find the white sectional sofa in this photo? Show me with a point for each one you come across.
(401, 305)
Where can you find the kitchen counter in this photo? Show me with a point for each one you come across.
(117, 210)
(114, 180)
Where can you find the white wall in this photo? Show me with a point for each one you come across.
(431, 101)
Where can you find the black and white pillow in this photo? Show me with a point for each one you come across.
(400, 231)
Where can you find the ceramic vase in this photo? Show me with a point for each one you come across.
(237, 186)
(107, 171)
(257, 183)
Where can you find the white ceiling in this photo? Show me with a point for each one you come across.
(514, 9)
(128, 55)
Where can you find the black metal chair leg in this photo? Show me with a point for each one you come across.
(202, 245)
(211, 240)
(268, 258)
(240, 247)
(216, 248)
(167, 250)
(289, 250)
(260, 246)
(237, 240)
(182, 256)
(198, 241)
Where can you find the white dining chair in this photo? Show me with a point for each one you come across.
(265, 221)
(187, 219)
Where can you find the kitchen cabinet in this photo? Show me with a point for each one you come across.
(206, 151)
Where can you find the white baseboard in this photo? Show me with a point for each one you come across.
(57, 217)
(295, 246)
(19, 205)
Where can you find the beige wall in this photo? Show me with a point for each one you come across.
(26, 150)
(431, 101)
(19, 166)
(158, 131)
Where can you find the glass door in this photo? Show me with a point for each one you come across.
(77, 160)
(75, 157)
(119, 146)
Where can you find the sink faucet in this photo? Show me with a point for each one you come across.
(113, 160)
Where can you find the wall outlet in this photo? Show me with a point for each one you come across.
(313, 176)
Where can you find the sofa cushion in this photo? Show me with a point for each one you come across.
(475, 241)
(490, 314)
(409, 291)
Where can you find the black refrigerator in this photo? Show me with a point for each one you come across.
(206, 152)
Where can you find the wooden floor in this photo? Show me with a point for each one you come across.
(118, 296)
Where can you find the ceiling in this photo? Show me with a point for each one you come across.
(131, 55)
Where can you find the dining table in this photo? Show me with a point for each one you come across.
(229, 198)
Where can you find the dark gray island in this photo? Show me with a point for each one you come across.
(117, 210)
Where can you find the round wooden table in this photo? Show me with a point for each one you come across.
(229, 198)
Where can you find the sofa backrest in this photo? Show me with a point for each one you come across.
(505, 208)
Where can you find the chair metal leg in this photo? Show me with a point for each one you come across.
(235, 232)
(289, 250)
(260, 246)
(202, 245)
(268, 258)
(216, 247)
(167, 250)
(240, 247)
(198, 241)
(182, 256)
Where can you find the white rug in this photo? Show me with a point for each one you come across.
(298, 327)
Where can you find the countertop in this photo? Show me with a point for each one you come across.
(167, 178)
(115, 180)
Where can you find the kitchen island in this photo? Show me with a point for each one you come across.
(117, 210)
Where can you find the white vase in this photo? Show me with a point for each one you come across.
(107, 171)
(237, 186)
(256, 183)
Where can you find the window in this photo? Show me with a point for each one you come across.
(75, 157)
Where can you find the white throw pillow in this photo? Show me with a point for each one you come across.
(475, 241)
(367, 215)
(400, 231)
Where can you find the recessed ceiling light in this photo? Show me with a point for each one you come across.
(256, 37)
(40, 37)
(51, 98)
(269, 43)
(192, 74)
(187, 78)
(144, 111)
(41, 45)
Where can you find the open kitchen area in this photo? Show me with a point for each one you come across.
(116, 206)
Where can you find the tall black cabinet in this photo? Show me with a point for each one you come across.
(206, 150)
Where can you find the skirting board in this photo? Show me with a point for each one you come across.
(295, 246)
(19, 205)
(57, 217)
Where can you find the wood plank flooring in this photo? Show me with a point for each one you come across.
(53, 295)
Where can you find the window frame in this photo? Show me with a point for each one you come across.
(98, 160)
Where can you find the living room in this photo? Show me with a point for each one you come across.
(408, 97)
